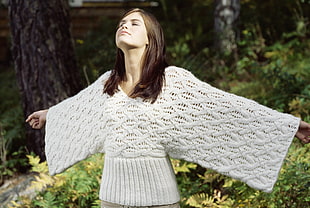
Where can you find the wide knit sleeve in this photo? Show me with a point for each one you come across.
(230, 134)
(74, 127)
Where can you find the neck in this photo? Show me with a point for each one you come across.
(133, 66)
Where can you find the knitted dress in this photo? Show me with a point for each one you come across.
(190, 120)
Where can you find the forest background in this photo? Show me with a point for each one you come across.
(270, 64)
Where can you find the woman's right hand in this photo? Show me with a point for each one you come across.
(37, 119)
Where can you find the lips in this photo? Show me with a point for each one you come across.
(123, 32)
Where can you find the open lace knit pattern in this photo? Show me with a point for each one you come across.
(190, 120)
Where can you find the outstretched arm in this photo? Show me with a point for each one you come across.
(230, 134)
(37, 119)
(303, 132)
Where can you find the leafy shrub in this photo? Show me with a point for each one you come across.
(77, 187)
(277, 76)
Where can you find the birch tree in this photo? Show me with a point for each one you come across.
(226, 16)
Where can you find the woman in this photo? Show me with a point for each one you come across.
(143, 111)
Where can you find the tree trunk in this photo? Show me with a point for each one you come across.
(43, 53)
(226, 15)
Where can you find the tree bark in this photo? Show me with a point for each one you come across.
(43, 54)
(226, 15)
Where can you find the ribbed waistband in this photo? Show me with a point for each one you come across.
(105, 204)
(138, 181)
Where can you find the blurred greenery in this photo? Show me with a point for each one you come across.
(12, 144)
(272, 66)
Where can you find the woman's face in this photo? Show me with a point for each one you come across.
(131, 32)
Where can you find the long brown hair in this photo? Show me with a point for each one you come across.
(153, 65)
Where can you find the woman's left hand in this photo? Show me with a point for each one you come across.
(303, 132)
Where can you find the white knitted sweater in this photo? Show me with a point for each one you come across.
(190, 120)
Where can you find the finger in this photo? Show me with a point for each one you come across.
(32, 121)
(28, 119)
(304, 139)
(36, 125)
(31, 116)
(300, 136)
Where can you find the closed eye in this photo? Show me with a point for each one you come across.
(134, 22)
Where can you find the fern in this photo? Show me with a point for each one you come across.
(204, 200)
(78, 186)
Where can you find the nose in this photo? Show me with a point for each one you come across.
(124, 26)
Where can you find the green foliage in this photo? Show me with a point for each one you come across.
(12, 151)
(77, 187)
(217, 200)
(191, 32)
(96, 52)
(274, 17)
(276, 76)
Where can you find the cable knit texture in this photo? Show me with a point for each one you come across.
(190, 120)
